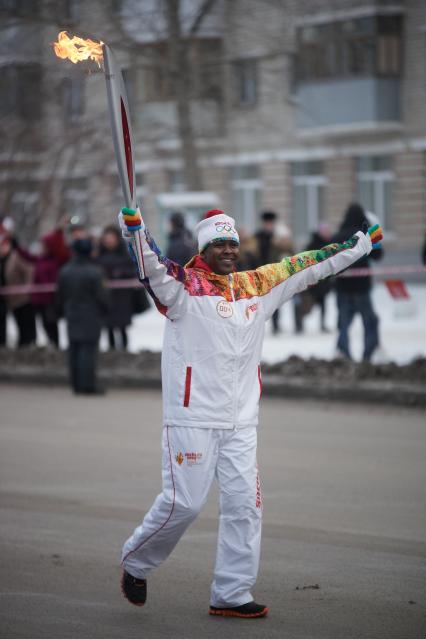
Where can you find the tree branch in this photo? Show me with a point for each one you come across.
(205, 8)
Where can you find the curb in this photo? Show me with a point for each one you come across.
(370, 392)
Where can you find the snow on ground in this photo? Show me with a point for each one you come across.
(402, 330)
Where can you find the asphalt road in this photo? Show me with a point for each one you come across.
(344, 537)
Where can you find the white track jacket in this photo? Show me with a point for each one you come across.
(216, 323)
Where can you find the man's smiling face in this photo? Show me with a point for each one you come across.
(222, 256)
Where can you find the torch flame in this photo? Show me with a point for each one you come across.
(77, 49)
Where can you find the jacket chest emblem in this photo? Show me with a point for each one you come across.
(251, 309)
(224, 309)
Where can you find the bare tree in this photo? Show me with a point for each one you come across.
(180, 74)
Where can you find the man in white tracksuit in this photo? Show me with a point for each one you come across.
(211, 390)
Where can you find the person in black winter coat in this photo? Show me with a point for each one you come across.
(272, 246)
(315, 294)
(181, 246)
(82, 299)
(115, 261)
(354, 293)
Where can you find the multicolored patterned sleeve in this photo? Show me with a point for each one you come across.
(164, 279)
(281, 281)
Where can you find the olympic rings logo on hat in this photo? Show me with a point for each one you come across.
(224, 227)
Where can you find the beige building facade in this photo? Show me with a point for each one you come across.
(298, 107)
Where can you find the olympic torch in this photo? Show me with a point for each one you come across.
(123, 140)
(77, 49)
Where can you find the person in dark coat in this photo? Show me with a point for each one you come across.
(181, 246)
(354, 293)
(272, 247)
(315, 295)
(82, 298)
(116, 264)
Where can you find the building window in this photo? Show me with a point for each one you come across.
(73, 97)
(141, 189)
(71, 10)
(25, 206)
(206, 66)
(350, 48)
(389, 45)
(374, 185)
(204, 82)
(176, 181)
(245, 82)
(20, 86)
(129, 79)
(308, 198)
(116, 7)
(75, 199)
(157, 85)
(246, 186)
(21, 8)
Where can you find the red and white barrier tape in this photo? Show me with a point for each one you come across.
(383, 270)
(26, 289)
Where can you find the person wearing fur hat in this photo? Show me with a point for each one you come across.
(211, 390)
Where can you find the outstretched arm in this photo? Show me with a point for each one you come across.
(294, 274)
(163, 279)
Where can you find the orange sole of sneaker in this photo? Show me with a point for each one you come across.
(226, 612)
(139, 605)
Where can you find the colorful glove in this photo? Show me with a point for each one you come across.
(132, 219)
(376, 234)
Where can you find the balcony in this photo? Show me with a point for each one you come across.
(371, 102)
(348, 73)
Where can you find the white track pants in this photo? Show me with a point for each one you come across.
(192, 457)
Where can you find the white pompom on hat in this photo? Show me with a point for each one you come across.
(215, 226)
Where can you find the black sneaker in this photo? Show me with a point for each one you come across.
(248, 611)
(133, 589)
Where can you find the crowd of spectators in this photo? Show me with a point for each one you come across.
(67, 254)
(29, 279)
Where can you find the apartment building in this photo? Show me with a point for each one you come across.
(299, 107)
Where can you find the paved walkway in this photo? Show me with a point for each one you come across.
(344, 541)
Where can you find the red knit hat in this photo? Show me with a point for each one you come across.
(212, 212)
